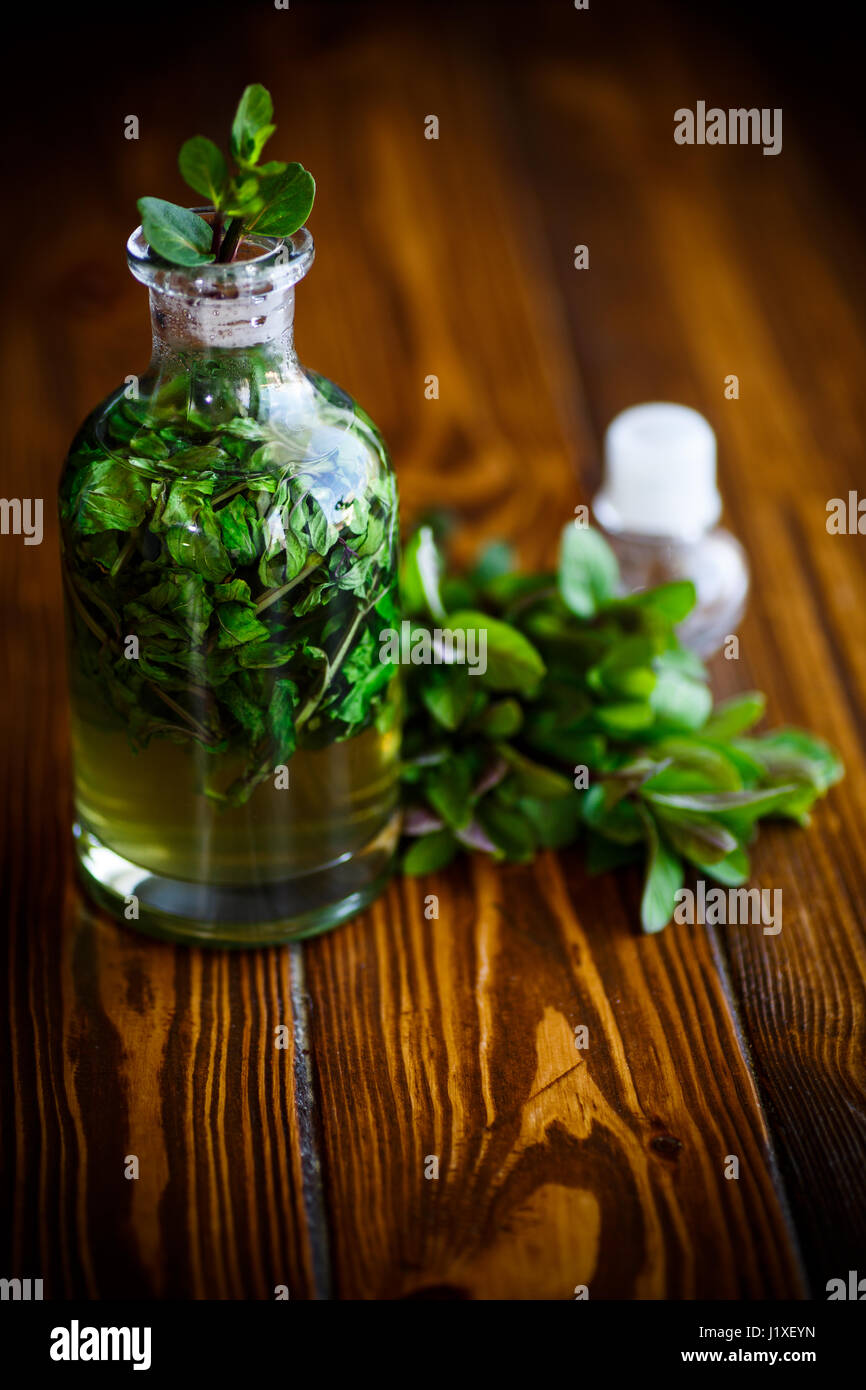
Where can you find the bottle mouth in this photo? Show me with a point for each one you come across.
(265, 265)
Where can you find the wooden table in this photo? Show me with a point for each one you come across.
(455, 1037)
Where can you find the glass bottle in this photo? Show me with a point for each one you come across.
(229, 552)
(659, 505)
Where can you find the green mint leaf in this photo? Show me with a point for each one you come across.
(252, 127)
(533, 779)
(556, 823)
(448, 695)
(243, 197)
(246, 710)
(429, 853)
(184, 596)
(235, 591)
(588, 572)
(679, 702)
(500, 720)
(702, 841)
(109, 497)
(175, 233)
(672, 602)
(420, 573)
(354, 706)
(732, 871)
(271, 167)
(619, 821)
(694, 766)
(663, 879)
(562, 737)
(240, 528)
(508, 828)
(239, 624)
(513, 663)
(622, 720)
(287, 199)
(449, 789)
(199, 548)
(711, 803)
(737, 811)
(625, 670)
(202, 166)
(792, 755)
(281, 718)
(734, 716)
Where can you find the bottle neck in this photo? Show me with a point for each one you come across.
(227, 328)
(236, 354)
(212, 326)
(245, 307)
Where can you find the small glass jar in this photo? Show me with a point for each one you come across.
(659, 507)
(715, 563)
(229, 553)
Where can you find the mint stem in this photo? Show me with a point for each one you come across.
(271, 597)
(332, 667)
(230, 240)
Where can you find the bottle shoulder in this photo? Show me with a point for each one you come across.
(344, 411)
(170, 428)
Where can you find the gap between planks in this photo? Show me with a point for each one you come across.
(762, 1103)
(309, 1132)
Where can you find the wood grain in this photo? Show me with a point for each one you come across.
(413, 1036)
(556, 1166)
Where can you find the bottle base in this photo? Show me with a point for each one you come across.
(227, 915)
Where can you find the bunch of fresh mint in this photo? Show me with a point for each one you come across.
(271, 199)
(591, 720)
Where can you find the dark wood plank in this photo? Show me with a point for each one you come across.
(557, 1167)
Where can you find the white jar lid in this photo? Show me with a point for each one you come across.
(659, 473)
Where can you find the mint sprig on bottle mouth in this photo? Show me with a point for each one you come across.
(270, 199)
